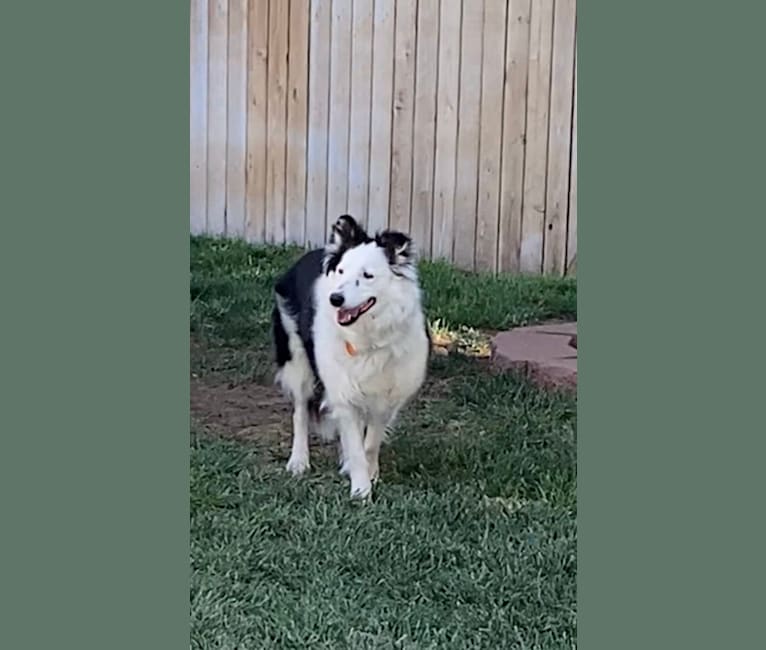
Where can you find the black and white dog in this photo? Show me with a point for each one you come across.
(352, 344)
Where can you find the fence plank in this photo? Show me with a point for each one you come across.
(424, 129)
(380, 125)
(255, 178)
(450, 15)
(236, 121)
(491, 127)
(198, 117)
(218, 26)
(514, 134)
(276, 146)
(468, 134)
(297, 112)
(572, 218)
(361, 91)
(559, 139)
(340, 98)
(401, 130)
(535, 165)
(319, 87)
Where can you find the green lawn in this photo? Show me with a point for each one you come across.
(470, 540)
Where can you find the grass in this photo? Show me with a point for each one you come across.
(470, 541)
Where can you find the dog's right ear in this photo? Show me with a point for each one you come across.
(346, 233)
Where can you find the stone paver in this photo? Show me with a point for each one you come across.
(546, 353)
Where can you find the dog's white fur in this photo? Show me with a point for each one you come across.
(366, 389)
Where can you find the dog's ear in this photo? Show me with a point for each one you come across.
(346, 233)
(400, 251)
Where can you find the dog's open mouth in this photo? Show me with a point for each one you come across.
(349, 315)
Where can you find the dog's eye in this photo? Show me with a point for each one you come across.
(367, 276)
(340, 271)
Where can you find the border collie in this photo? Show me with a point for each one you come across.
(351, 343)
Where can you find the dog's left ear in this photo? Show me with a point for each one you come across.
(400, 251)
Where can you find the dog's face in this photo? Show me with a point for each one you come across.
(365, 273)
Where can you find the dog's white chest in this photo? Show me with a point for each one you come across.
(377, 380)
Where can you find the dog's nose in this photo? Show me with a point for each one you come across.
(336, 299)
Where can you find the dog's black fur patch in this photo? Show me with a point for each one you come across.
(346, 233)
(296, 289)
(392, 241)
(281, 345)
(398, 248)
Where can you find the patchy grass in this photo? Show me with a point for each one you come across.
(470, 540)
(467, 341)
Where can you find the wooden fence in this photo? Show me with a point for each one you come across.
(454, 120)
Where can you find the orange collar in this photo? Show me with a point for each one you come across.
(350, 349)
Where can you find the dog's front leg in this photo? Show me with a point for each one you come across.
(354, 460)
(376, 431)
(298, 462)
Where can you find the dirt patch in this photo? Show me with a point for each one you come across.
(249, 412)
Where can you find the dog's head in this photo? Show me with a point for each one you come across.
(367, 274)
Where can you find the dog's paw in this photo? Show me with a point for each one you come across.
(297, 465)
(361, 489)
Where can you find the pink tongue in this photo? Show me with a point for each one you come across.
(346, 314)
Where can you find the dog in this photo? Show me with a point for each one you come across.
(352, 344)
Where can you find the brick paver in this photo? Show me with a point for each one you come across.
(547, 353)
